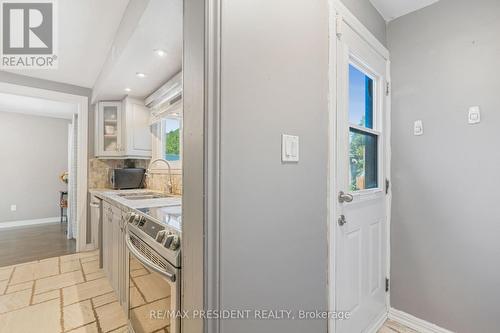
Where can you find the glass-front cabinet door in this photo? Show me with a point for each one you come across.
(109, 129)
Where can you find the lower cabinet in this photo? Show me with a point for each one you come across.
(115, 254)
(107, 240)
(123, 267)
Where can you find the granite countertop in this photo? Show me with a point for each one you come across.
(114, 198)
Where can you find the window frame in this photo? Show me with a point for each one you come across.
(377, 125)
(158, 136)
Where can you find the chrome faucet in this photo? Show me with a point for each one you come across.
(149, 171)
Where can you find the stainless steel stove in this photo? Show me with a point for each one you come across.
(161, 228)
(153, 239)
(170, 216)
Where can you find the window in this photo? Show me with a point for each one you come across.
(167, 137)
(363, 139)
(363, 166)
(171, 138)
(360, 98)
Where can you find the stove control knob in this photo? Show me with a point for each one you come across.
(176, 243)
(160, 236)
(168, 241)
(141, 221)
(134, 218)
(131, 216)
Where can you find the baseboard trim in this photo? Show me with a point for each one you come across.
(24, 223)
(415, 323)
(378, 323)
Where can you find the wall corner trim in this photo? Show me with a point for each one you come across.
(415, 323)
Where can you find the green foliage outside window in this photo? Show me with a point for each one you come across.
(357, 159)
(172, 144)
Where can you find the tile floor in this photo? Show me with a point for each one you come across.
(70, 294)
(60, 294)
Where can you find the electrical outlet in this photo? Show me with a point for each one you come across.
(474, 116)
(13, 208)
(418, 127)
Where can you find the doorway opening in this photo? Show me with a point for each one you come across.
(44, 174)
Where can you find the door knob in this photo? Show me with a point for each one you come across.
(345, 197)
(342, 220)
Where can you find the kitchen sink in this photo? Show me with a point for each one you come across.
(143, 196)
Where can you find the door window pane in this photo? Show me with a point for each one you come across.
(360, 98)
(363, 160)
(171, 137)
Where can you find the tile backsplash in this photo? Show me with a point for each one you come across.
(99, 171)
(159, 182)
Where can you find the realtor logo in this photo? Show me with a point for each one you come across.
(28, 34)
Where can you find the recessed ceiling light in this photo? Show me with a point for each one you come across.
(128, 89)
(160, 52)
(140, 75)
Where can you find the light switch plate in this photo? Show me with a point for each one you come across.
(474, 116)
(418, 127)
(289, 148)
(13, 208)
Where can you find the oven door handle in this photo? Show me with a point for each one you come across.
(147, 262)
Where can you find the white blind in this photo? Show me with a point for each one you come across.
(163, 110)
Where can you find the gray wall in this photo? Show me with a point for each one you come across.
(34, 153)
(55, 86)
(445, 218)
(273, 229)
(369, 16)
(60, 87)
(273, 215)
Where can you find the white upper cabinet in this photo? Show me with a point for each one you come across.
(108, 129)
(123, 129)
(137, 128)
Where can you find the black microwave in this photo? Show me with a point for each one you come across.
(127, 178)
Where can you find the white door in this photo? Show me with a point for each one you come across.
(360, 259)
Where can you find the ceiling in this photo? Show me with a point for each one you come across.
(86, 32)
(36, 106)
(159, 27)
(392, 9)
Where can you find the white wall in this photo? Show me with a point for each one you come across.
(34, 152)
(446, 213)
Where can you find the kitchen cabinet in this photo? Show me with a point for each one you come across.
(137, 128)
(109, 125)
(115, 248)
(106, 241)
(115, 255)
(123, 262)
(123, 129)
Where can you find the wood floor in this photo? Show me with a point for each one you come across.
(25, 244)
